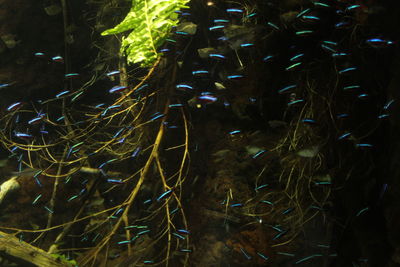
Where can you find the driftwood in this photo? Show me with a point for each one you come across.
(26, 254)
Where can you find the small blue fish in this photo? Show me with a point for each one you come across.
(199, 72)
(362, 211)
(179, 236)
(352, 7)
(58, 59)
(183, 86)
(378, 42)
(347, 70)
(216, 56)
(364, 145)
(234, 77)
(319, 4)
(72, 198)
(342, 24)
(35, 120)
(217, 27)
(388, 104)
(23, 135)
(383, 116)
(109, 108)
(296, 57)
(328, 49)
(310, 18)
(117, 89)
(39, 54)
(248, 257)
(234, 10)
(287, 211)
(287, 88)
(76, 96)
(157, 116)
(147, 201)
(305, 11)
(234, 132)
(36, 199)
(62, 93)
(37, 173)
(71, 75)
(138, 90)
(342, 116)
(135, 152)
(322, 183)
(268, 58)
(4, 85)
(175, 105)
(208, 98)
(173, 211)
(279, 235)
(259, 153)
(293, 66)
(99, 106)
(260, 187)
(115, 181)
(221, 21)
(349, 87)
(341, 54)
(38, 181)
(308, 258)
(48, 209)
(304, 33)
(183, 231)
(182, 33)
(316, 207)
(344, 136)
(164, 195)
(330, 43)
(246, 45)
(60, 118)
(113, 73)
(124, 242)
(262, 256)
(285, 254)
(14, 106)
(273, 26)
(119, 211)
(309, 121)
(267, 202)
(291, 103)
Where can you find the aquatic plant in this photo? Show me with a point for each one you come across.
(150, 22)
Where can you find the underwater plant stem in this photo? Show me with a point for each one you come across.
(93, 254)
(55, 186)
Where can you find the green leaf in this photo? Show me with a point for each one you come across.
(150, 22)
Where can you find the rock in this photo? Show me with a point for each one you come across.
(188, 27)
(309, 152)
(53, 10)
